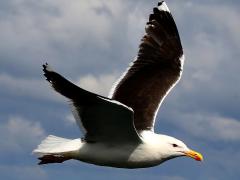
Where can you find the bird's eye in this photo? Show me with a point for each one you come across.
(174, 145)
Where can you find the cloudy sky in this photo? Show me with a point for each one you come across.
(91, 42)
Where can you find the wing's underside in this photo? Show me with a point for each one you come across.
(156, 69)
(102, 119)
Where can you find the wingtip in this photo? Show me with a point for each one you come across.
(160, 3)
(162, 6)
(47, 69)
(45, 65)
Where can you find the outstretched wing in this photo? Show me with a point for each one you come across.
(101, 118)
(156, 69)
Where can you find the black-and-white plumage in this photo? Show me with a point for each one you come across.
(119, 129)
(157, 68)
(88, 107)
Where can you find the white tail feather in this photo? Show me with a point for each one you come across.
(57, 145)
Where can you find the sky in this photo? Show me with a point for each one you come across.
(91, 43)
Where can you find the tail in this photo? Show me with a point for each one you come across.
(56, 149)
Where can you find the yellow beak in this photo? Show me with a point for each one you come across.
(195, 155)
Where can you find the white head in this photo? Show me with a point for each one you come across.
(176, 148)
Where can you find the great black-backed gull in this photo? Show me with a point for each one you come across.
(119, 130)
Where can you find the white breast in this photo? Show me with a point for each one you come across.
(122, 155)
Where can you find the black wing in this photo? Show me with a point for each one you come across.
(101, 118)
(157, 68)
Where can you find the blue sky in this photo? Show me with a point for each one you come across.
(92, 42)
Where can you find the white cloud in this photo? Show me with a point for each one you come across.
(69, 119)
(55, 29)
(210, 36)
(74, 31)
(34, 88)
(225, 18)
(22, 172)
(98, 84)
(136, 26)
(89, 23)
(18, 134)
(172, 178)
(209, 127)
(226, 159)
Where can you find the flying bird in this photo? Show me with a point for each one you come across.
(119, 129)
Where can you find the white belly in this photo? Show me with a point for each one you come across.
(121, 156)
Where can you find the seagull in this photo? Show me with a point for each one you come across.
(119, 129)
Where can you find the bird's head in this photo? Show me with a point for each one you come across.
(176, 148)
